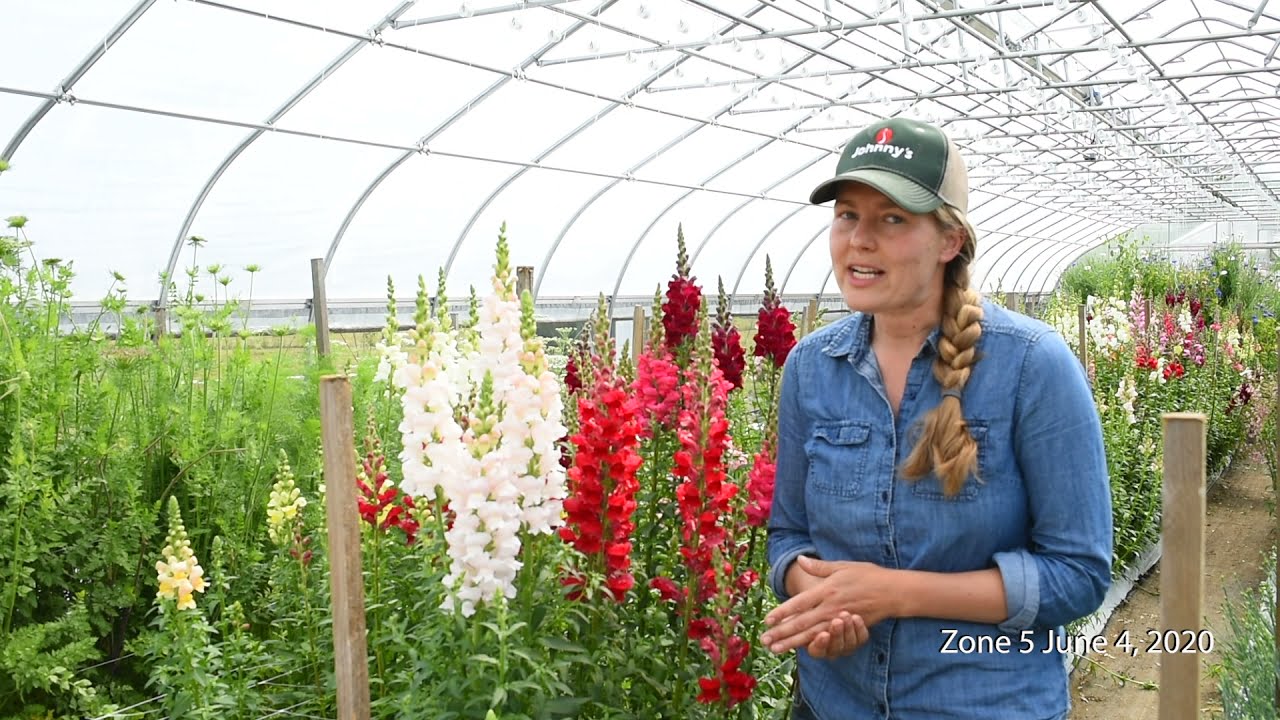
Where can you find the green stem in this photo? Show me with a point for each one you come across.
(376, 616)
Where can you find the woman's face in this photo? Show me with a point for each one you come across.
(886, 260)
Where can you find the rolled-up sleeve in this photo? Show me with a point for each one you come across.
(788, 521)
(1065, 571)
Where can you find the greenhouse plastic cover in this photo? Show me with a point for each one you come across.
(397, 137)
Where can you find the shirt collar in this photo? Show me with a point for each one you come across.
(853, 338)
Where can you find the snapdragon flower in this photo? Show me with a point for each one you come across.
(178, 574)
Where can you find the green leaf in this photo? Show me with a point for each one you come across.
(565, 707)
(563, 645)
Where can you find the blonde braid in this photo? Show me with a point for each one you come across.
(945, 446)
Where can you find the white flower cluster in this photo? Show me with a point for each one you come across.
(1127, 394)
(499, 469)
(1110, 329)
(391, 357)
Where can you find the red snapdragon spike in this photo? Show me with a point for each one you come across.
(727, 345)
(657, 390)
(667, 589)
(760, 486)
(775, 334)
(680, 311)
(571, 378)
(1195, 306)
(602, 481)
(1169, 299)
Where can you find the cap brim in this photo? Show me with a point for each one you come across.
(906, 194)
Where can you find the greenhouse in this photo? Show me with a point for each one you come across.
(444, 358)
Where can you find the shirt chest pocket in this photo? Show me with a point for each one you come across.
(838, 456)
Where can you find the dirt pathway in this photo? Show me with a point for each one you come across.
(1239, 529)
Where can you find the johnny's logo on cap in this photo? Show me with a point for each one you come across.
(883, 144)
(914, 163)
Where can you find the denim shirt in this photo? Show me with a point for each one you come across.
(1039, 510)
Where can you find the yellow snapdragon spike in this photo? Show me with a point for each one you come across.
(178, 573)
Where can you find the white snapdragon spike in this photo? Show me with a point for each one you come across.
(499, 469)
(1127, 393)
(1109, 330)
(430, 434)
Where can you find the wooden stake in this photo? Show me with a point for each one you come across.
(319, 306)
(524, 279)
(351, 658)
(1084, 336)
(639, 332)
(1182, 565)
(810, 315)
(162, 322)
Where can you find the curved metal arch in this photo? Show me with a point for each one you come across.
(1035, 223)
(1054, 248)
(1011, 243)
(799, 254)
(698, 250)
(75, 75)
(1033, 248)
(767, 189)
(555, 245)
(1058, 266)
(640, 240)
(1206, 21)
(176, 251)
(1052, 263)
(449, 122)
(734, 292)
(1074, 249)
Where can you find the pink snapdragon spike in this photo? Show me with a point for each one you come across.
(713, 585)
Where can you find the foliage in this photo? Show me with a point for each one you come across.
(1247, 672)
(102, 426)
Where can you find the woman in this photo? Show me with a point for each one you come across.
(942, 506)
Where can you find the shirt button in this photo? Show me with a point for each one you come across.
(883, 710)
(885, 496)
(881, 658)
(888, 549)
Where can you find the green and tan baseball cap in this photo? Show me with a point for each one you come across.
(912, 162)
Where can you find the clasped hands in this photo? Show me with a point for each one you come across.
(832, 605)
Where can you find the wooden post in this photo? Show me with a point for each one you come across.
(319, 307)
(351, 658)
(1084, 336)
(1146, 307)
(524, 279)
(810, 315)
(639, 332)
(1182, 564)
(162, 322)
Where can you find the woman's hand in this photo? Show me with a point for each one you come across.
(843, 635)
(864, 592)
